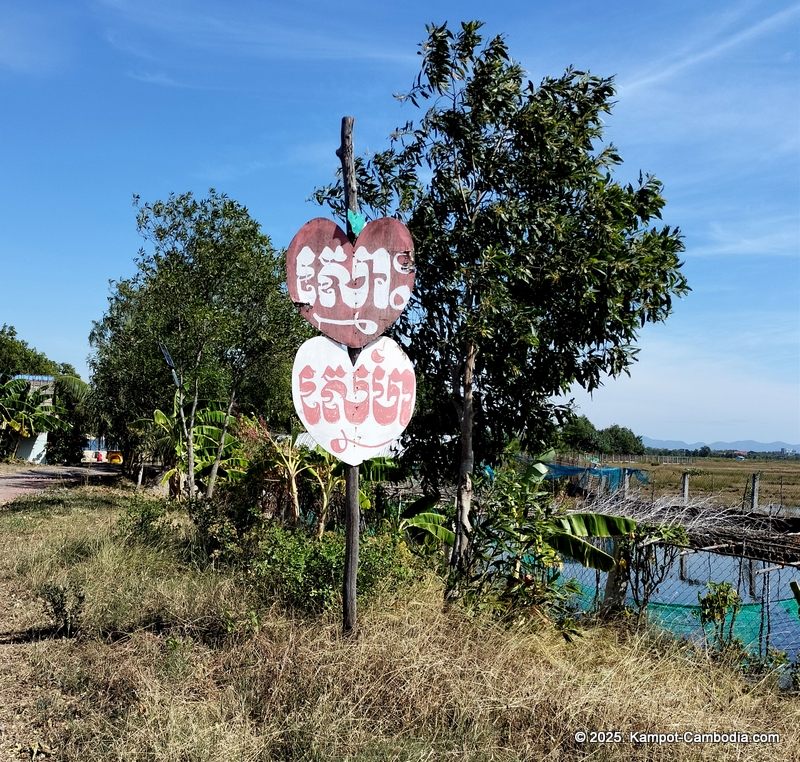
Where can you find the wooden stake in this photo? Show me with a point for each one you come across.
(352, 514)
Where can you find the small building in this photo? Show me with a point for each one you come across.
(34, 449)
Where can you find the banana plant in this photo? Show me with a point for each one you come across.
(516, 527)
(27, 412)
(433, 524)
(167, 440)
(329, 474)
(291, 460)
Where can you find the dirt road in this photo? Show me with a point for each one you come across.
(28, 479)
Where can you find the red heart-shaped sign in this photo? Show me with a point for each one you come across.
(351, 292)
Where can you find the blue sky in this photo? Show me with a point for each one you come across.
(106, 98)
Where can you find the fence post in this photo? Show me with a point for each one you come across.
(754, 493)
(685, 487)
(626, 481)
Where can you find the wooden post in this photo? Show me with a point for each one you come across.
(754, 493)
(752, 578)
(685, 487)
(352, 515)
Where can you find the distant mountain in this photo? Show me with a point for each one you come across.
(744, 444)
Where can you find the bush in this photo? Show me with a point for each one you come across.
(305, 573)
(142, 521)
(63, 603)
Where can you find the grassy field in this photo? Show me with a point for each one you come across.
(173, 660)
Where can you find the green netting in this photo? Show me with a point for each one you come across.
(750, 627)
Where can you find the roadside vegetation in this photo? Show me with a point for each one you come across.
(174, 655)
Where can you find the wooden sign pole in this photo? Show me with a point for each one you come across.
(352, 514)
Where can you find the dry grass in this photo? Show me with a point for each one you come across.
(725, 479)
(418, 682)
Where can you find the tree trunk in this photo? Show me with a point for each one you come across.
(616, 582)
(190, 443)
(458, 558)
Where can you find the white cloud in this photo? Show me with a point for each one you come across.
(776, 237)
(709, 381)
(157, 79)
(666, 69)
(680, 391)
(224, 172)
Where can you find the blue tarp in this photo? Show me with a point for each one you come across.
(612, 476)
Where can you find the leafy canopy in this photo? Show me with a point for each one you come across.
(16, 357)
(209, 286)
(531, 258)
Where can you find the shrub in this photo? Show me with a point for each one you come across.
(142, 521)
(63, 604)
(305, 573)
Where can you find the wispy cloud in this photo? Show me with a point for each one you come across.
(158, 79)
(317, 154)
(226, 172)
(774, 238)
(680, 391)
(205, 29)
(666, 69)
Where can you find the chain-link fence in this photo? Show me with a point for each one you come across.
(702, 596)
(733, 581)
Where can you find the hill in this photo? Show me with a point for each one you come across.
(742, 444)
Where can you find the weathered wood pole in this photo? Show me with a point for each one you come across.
(754, 493)
(352, 515)
(685, 487)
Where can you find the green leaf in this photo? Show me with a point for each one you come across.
(581, 551)
(593, 524)
(433, 524)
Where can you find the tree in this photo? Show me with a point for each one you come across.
(68, 394)
(71, 395)
(209, 291)
(620, 440)
(580, 434)
(535, 269)
(16, 357)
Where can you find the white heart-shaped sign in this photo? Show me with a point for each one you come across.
(353, 412)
